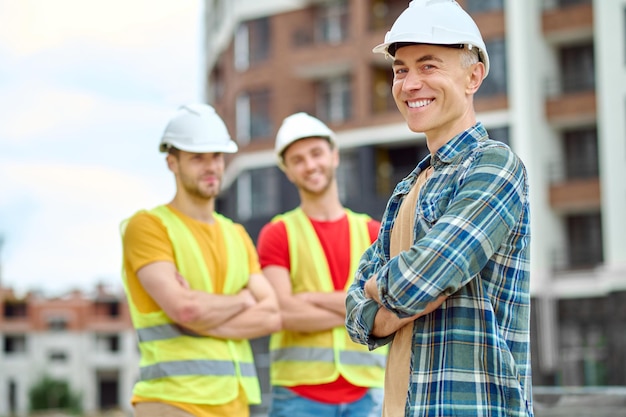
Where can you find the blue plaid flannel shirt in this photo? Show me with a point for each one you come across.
(471, 356)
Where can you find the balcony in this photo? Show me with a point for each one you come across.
(582, 247)
(570, 21)
(571, 108)
(575, 183)
(575, 195)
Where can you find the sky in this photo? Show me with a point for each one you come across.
(86, 89)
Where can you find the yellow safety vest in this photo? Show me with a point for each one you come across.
(299, 358)
(178, 365)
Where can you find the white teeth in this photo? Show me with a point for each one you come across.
(419, 103)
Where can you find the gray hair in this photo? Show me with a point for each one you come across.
(469, 56)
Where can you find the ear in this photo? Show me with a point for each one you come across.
(336, 156)
(288, 175)
(172, 163)
(475, 78)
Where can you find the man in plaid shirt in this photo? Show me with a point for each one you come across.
(448, 278)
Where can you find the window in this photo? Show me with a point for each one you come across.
(395, 163)
(253, 116)
(14, 344)
(581, 153)
(252, 43)
(242, 46)
(15, 309)
(258, 193)
(478, 6)
(332, 22)
(384, 12)
(577, 68)
(348, 181)
(566, 3)
(499, 133)
(12, 397)
(107, 308)
(559, 4)
(583, 342)
(57, 323)
(495, 83)
(584, 235)
(57, 356)
(107, 343)
(334, 99)
(382, 99)
(260, 41)
(215, 86)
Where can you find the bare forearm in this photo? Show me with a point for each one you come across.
(205, 311)
(311, 319)
(334, 301)
(386, 323)
(256, 321)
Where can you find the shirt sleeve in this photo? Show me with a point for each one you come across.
(481, 213)
(145, 241)
(273, 246)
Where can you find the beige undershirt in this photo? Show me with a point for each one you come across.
(398, 369)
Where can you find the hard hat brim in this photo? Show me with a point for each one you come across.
(229, 147)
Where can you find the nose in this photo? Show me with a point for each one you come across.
(412, 81)
(210, 163)
(309, 163)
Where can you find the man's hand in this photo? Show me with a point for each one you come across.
(371, 289)
(247, 297)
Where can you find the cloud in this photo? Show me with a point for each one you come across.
(85, 92)
(65, 222)
(36, 25)
(33, 110)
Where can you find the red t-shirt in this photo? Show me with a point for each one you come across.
(334, 236)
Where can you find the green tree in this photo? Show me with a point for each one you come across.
(53, 394)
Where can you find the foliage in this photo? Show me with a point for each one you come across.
(53, 394)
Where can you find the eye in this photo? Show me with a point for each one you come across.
(294, 160)
(317, 152)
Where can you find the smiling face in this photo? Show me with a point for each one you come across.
(198, 175)
(434, 90)
(310, 164)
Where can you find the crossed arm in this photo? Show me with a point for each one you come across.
(385, 322)
(253, 312)
(307, 311)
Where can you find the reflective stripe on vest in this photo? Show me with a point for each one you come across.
(162, 332)
(304, 354)
(178, 365)
(195, 367)
(299, 358)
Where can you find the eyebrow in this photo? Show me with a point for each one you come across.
(421, 59)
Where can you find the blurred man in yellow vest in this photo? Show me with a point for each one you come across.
(194, 285)
(310, 255)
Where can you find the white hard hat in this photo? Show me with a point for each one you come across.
(300, 126)
(438, 22)
(197, 128)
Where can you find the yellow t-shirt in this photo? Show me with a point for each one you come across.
(146, 241)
